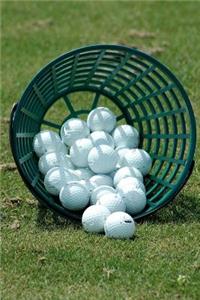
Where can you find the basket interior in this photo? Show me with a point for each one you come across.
(136, 87)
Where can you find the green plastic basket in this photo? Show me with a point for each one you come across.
(138, 88)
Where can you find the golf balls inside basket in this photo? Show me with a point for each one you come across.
(74, 196)
(54, 159)
(79, 152)
(119, 225)
(112, 201)
(84, 173)
(100, 191)
(72, 130)
(126, 136)
(127, 172)
(100, 179)
(56, 178)
(101, 138)
(139, 159)
(135, 199)
(102, 159)
(121, 153)
(101, 118)
(129, 182)
(46, 141)
(94, 217)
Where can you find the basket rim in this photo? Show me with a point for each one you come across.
(134, 51)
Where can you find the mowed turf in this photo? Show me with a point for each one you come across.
(46, 257)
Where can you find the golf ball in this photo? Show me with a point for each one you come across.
(87, 185)
(135, 199)
(100, 191)
(101, 118)
(54, 159)
(121, 154)
(46, 141)
(102, 159)
(119, 225)
(127, 172)
(72, 130)
(101, 179)
(56, 178)
(94, 217)
(74, 196)
(84, 173)
(129, 182)
(139, 159)
(79, 152)
(112, 201)
(101, 138)
(126, 136)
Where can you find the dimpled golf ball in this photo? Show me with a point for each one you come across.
(72, 130)
(74, 196)
(101, 179)
(94, 217)
(126, 136)
(135, 199)
(54, 159)
(79, 152)
(127, 172)
(101, 138)
(46, 141)
(112, 201)
(87, 185)
(102, 159)
(121, 154)
(100, 191)
(84, 173)
(101, 118)
(119, 225)
(128, 182)
(139, 159)
(56, 178)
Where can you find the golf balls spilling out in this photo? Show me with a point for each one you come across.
(96, 166)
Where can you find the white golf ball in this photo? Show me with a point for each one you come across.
(86, 183)
(119, 225)
(101, 118)
(84, 173)
(54, 159)
(121, 154)
(126, 136)
(46, 141)
(79, 152)
(72, 130)
(100, 191)
(101, 138)
(102, 159)
(135, 199)
(101, 179)
(74, 196)
(139, 159)
(127, 172)
(112, 201)
(94, 217)
(130, 182)
(56, 178)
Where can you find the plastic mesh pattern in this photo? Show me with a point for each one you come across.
(144, 93)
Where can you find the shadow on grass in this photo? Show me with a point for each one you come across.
(48, 220)
(184, 209)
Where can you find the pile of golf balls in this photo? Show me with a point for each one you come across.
(96, 167)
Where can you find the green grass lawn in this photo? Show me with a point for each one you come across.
(47, 257)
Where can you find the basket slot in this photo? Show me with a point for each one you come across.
(35, 179)
(39, 95)
(162, 114)
(53, 72)
(95, 101)
(91, 73)
(25, 134)
(74, 69)
(51, 124)
(120, 117)
(25, 157)
(30, 114)
(161, 181)
(167, 136)
(169, 159)
(69, 104)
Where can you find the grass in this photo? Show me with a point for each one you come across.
(46, 257)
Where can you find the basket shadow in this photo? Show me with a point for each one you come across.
(184, 209)
(48, 220)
